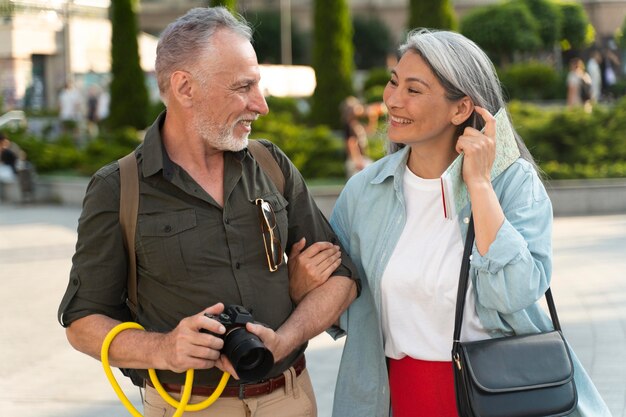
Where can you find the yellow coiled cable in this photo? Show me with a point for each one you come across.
(181, 406)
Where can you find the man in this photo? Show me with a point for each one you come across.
(199, 242)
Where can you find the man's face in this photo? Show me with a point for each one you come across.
(229, 97)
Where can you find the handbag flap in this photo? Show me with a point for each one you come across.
(519, 363)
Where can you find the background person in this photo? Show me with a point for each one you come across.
(201, 240)
(359, 121)
(578, 85)
(390, 219)
(594, 69)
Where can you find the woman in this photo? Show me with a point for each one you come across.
(390, 220)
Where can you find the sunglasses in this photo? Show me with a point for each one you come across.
(273, 248)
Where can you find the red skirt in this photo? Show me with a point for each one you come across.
(421, 388)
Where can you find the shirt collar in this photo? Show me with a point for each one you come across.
(154, 156)
(394, 167)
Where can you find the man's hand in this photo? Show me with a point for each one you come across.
(186, 347)
(310, 268)
(271, 340)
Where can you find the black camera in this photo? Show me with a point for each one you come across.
(249, 356)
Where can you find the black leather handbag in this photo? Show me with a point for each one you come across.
(518, 376)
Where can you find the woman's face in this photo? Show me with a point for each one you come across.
(419, 112)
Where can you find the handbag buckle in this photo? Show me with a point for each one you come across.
(457, 360)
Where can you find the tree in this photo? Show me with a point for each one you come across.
(266, 26)
(502, 30)
(129, 95)
(433, 14)
(229, 4)
(549, 19)
(332, 59)
(576, 31)
(372, 42)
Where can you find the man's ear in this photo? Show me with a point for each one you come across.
(462, 111)
(180, 86)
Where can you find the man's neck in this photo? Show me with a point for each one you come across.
(188, 150)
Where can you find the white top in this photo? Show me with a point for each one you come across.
(420, 282)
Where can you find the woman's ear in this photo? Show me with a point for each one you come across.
(462, 111)
(180, 86)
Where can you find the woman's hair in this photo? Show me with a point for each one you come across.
(187, 38)
(463, 69)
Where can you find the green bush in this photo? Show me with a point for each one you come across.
(532, 81)
(316, 152)
(566, 143)
(571, 143)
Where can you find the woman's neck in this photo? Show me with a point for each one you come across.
(430, 162)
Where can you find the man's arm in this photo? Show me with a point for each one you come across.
(317, 311)
(183, 348)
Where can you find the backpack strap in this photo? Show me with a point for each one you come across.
(129, 206)
(268, 164)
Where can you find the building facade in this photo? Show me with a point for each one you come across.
(46, 44)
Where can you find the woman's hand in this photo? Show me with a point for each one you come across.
(479, 149)
(480, 153)
(310, 268)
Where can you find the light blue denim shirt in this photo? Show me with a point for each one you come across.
(509, 279)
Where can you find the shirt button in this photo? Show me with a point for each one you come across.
(237, 265)
(167, 228)
(466, 220)
(226, 221)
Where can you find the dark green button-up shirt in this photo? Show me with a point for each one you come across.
(191, 253)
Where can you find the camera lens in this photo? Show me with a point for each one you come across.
(249, 356)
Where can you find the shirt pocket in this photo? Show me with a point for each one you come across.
(160, 244)
(279, 206)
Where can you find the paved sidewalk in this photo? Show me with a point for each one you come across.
(42, 376)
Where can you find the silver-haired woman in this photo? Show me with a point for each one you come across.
(390, 220)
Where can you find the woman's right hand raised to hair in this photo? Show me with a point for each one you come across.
(311, 267)
(479, 149)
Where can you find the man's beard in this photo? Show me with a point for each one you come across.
(221, 138)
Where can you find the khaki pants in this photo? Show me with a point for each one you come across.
(295, 399)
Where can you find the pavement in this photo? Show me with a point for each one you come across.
(41, 375)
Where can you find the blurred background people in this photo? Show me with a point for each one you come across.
(578, 85)
(70, 109)
(359, 121)
(594, 70)
(26, 178)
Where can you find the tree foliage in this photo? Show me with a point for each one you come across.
(549, 20)
(229, 4)
(332, 59)
(372, 42)
(575, 26)
(129, 95)
(267, 44)
(502, 29)
(433, 14)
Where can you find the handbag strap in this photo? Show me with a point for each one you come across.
(464, 282)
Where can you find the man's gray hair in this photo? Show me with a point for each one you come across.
(187, 37)
(463, 69)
